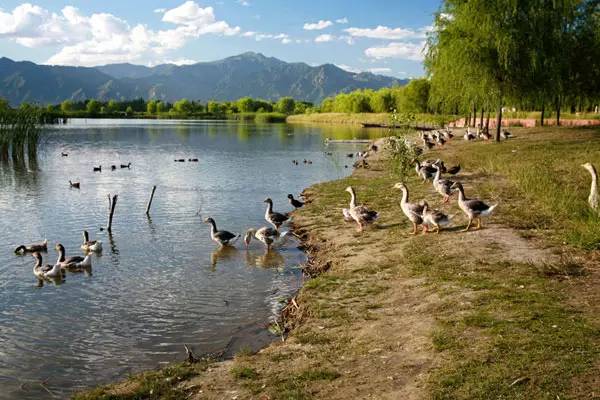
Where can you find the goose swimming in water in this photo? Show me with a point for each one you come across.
(90, 245)
(74, 185)
(47, 271)
(79, 266)
(128, 166)
(63, 261)
(274, 218)
(294, 202)
(222, 238)
(31, 248)
(266, 235)
(98, 168)
(473, 208)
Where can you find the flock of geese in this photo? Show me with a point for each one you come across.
(441, 137)
(56, 272)
(421, 213)
(268, 236)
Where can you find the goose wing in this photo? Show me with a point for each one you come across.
(73, 260)
(224, 236)
(278, 217)
(476, 205)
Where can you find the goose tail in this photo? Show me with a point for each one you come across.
(490, 210)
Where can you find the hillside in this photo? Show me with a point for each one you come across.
(248, 74)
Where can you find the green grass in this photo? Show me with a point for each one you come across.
(243, 372)
(516, 324)
(162, 384)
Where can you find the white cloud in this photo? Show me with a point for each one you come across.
(348, 68)
(324, 38)
(283, 37)
(317, 26)
(244, 3)
(380, 70)
(160, 10)
(103, 38)
(177, 61)
(383, 32)
(401, 50)
(348, 39)
(342, 20)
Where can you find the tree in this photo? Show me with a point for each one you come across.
(112, 106)
(93, 107)
(285, 105)
(245, 104)
(129, 111)
(151, 107)
(66, 106)
(161, 107)
(183, 106)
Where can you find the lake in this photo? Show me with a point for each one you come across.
(160, 282)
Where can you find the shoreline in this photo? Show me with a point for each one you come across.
(390, 315)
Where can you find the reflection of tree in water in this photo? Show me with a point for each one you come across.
(183, 132)
(243, 132)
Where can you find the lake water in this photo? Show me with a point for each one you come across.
(159, 282)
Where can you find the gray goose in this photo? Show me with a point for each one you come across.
(360, 214)
(47, 271)
(442, 186)
(294, 202)
(222, 238)
(473, 208)
(413, 211)
(266, 235)
(32, 248)
(274, 218)
(64, 261)
(433, 217)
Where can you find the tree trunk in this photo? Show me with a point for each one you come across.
(481, 119)
(487, 122)
(498, 122)
(474, 116)
(557, 111)
(542, 116)
(468, 120)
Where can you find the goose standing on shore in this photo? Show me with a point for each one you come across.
(593, 197)
(295, 203)
(222, 238)
(424, 171)
(442, 186)
(90, 245)
(360, 214)
(433, 217)
(32, 248)
(473, 208)
(274, 218)
(413, 211)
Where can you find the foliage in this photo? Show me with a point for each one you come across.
(403, 152)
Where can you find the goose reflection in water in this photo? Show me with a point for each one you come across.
(222, 254)
(268, 259)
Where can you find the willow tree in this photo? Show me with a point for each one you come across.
(491, 51)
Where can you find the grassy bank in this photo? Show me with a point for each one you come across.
(510, 311)
(364, 118)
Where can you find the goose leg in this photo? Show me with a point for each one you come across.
(424, 229)
(414, 231)
(479, 226)
(437, 229)
(468, 225)
(446, 198)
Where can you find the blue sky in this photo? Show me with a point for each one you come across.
(384, 37)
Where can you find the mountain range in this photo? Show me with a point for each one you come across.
(248, 74)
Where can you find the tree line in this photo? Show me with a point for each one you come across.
(537, 54)
(182, 107)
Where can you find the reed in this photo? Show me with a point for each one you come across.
(20, 133)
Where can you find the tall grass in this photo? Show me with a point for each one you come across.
(19, 134)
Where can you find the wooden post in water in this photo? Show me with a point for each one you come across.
(150, 201)
(113, 204)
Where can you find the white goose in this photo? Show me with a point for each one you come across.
(593, 197)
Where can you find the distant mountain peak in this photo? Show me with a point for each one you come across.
(248, 74)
